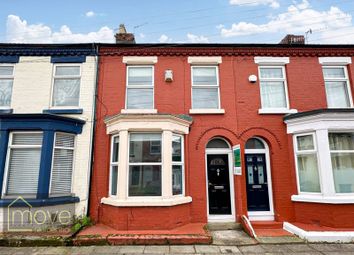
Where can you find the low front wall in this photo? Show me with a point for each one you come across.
(145, 218)
(328, 215)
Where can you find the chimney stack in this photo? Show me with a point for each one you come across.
(293, 40)
(123, 37)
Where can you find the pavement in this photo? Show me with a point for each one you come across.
(289, 249)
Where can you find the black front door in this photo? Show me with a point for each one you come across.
(257, 184)
(219, 184)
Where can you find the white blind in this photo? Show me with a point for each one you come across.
(62, 164)
(24, 161)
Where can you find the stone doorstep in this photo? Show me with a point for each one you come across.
(142, 240)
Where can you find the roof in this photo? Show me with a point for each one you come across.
(317, 112)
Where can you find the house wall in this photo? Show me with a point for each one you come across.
(241, 121)
(32, 86)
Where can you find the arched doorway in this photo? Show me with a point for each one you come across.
(220, 184)
(258, 180)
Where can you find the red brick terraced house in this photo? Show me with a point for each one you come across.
(174, 120)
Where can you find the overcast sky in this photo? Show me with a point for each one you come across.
(167, 21)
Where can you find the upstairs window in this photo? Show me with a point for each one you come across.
(337, 86)
(205, 87)
(273, 87)
(6, 83)
(140, 87)
(66, 86)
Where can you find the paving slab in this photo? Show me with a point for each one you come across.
(278, 248)
(299, 247)
(232, 237)
(279, 240)
(207, 249)
(252, 249)
(182, 249)
(157, 249)
(327, 247)
(106, 249)
(229, 249)
(132, 249)
(81, 250)
(338, 252)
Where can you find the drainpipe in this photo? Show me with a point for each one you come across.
(95, 48)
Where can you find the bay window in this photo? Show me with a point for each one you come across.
(324, 155)
(6, 83)
(151, 160)
(342, 158)
(306, 160)
(23, 164)
(145, 165)
(177, 165)
(62, 165)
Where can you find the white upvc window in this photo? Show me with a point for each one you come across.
(273, 88)
(140, 87)
(62, 164)
(66, 85)
(113, 183)
(177, 165)
(6, 84)
(144, 166)
(205, 87)
(307, 163)
(341, 145)
(337, 85)
(22, 166)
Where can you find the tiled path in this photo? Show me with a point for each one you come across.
(289, 249)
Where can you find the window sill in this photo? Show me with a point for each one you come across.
(64, 111)
(6, 110)
(146, 202)
(138, 111)
(276, 111)
(17, 202)
(206, 111)
(323, 199)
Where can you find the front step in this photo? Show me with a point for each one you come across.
(267, 225)
(215, 226)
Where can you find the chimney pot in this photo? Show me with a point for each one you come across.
(293, 40)
(123, 37)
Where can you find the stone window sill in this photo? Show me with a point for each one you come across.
(276, 111)
(138, 111)
(206, 111)
(136, 202)
(340, 199)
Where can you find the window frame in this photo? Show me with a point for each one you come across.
(54, 77)
(7, 164)
(307, 152)
(50, 194)
(111, 164)
(127, 86)
(144, 164)
(345, 79)
(179, 164)
(206, 86)
(330, 157)
(7, 77)
(285, 84)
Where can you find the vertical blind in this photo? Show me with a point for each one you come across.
(62, 164)
(24, 162)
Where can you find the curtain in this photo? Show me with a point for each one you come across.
(273, 94)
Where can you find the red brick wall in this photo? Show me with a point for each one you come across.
(241, 121)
